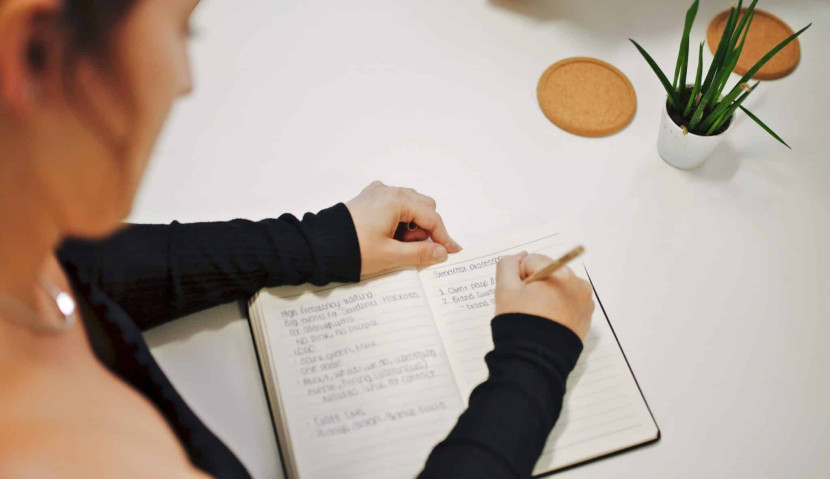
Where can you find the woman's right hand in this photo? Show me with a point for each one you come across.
(562, 298)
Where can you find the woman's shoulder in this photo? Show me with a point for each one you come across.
(82, 422)
(53, 448)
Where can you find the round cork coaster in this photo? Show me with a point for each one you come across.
(765, 33)
(586, 96)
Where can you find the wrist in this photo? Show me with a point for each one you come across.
(539, 333)
(336, 241)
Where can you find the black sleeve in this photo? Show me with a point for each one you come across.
(509, 417)
(160, 272)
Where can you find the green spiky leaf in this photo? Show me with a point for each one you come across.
(672, 94)
(752, 71)
(683, 56)
(715, 70)
(760, 63)
(734, 52)
(765, 127)
(729, 65)
(720, 51)
(708, 104)
(696, 87)
(716, 125)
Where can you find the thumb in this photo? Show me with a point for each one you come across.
(417, 253)
(532, 263)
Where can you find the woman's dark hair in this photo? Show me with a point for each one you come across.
(89, 24)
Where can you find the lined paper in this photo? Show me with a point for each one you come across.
(365, 379)
(603, 410)
(363, 383)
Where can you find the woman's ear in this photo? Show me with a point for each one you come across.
(26, 45)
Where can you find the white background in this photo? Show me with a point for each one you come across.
(714, 279)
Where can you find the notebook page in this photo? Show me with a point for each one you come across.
(603, 409)
(365, 388)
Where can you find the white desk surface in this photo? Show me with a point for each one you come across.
(714, 279)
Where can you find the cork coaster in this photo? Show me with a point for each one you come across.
(586, 97)
(765, 33)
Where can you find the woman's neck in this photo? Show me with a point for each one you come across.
(28, 235)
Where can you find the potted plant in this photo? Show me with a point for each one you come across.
(697, 115)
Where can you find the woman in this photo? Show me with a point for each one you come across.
(85, 86)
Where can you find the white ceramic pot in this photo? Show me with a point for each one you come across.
(685, 151)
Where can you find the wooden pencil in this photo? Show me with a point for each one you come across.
(548, 270)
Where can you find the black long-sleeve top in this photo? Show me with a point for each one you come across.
(146, 275)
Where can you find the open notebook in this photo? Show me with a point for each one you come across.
(364, 379)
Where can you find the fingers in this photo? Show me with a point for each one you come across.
(565, 274)
(404, 233)
(419, 209)
(428, 219)
(533, 263)
(508, 270)
(410, 192)
(422, 198)
(419, 253)
(415, 223)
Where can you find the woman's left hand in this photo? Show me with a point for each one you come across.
(383, 215)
